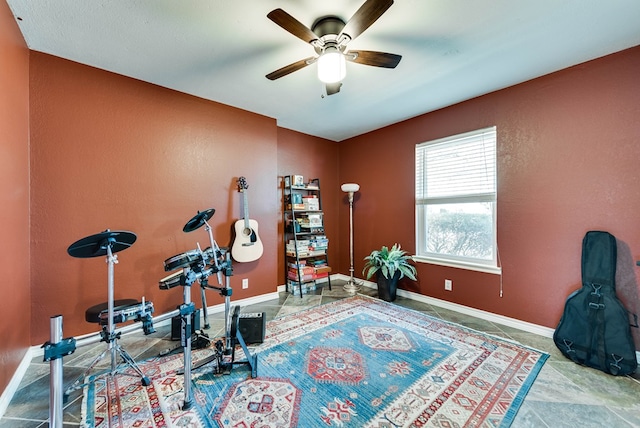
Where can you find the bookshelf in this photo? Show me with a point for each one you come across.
(305, 241)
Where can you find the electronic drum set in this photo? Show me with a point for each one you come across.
(190, 267)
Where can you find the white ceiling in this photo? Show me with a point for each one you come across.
(221, 50)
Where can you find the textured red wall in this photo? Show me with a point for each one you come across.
(568, 151)
(14, 196)
(112, 152)
(311, 157)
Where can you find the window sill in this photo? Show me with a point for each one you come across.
(459, 265)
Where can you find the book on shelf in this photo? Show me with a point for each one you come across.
(307, 277)
(293, 250)
(300, 253)
(303, 270)
(295, 207)
(299, 243)
(314, 220)
(295, 289)
(294, 247)
(311, 203)
(304, 223)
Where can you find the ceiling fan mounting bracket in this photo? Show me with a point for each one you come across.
(328, 29)
(328, 25)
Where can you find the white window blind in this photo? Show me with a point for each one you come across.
(459, 166)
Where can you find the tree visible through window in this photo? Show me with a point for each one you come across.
(456, 198)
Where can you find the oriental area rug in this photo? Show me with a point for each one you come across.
(358, 362)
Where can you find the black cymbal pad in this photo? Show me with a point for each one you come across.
(96, 245)
(198, 220)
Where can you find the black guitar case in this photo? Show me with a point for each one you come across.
(594, 329)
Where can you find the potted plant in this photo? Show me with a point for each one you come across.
(390, 265)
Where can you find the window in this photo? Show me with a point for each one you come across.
(456, 200)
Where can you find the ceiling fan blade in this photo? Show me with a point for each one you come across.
(287, 69)
(292, 25)
(368, 13)
(376, 59)
(333, 88)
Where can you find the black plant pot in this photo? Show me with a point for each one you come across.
(387, 287)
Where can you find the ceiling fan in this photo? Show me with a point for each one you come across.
(329, 37)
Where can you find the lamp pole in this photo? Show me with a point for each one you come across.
(351, 188)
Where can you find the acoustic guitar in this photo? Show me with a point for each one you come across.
(247, 246)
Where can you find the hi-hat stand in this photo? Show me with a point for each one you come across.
(106, 244)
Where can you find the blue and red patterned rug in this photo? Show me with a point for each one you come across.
(358, 362)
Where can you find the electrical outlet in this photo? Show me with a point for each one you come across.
(448, 285)
(245, 283)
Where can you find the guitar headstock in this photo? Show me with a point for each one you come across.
(242, 184)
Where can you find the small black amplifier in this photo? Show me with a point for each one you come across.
(176, 325)
(252, 327)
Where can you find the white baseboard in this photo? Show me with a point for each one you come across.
(14, 384)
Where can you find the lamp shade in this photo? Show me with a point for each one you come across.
(331, 66)
(350, 187)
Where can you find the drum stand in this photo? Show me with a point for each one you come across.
(224, 355)
(106, 241)
(186, 310)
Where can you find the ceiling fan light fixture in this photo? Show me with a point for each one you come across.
(332, 66)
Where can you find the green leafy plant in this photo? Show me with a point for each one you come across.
(388, 262)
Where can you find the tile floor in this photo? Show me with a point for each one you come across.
(564, 394)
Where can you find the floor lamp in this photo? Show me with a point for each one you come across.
(351, 188)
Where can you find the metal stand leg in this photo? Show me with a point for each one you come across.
(185, 312)
(114, 346)
(55, 384)
(78, 382)
(205, 310)
(131, 363)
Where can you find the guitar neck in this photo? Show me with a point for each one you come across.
(246, 209)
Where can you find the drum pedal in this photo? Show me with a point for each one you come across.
(227, 362)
